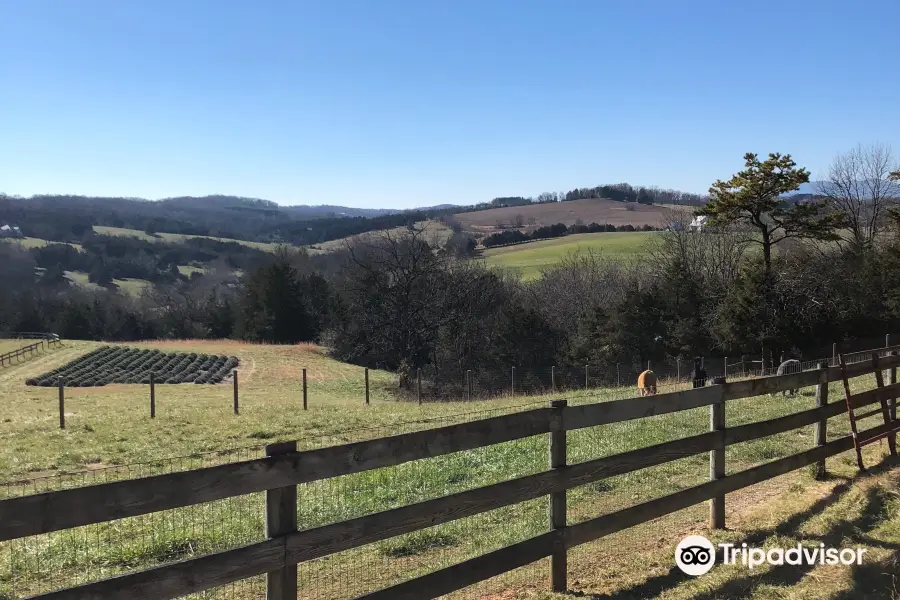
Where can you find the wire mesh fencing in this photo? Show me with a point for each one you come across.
(46, 562)
(480, 382)
(42, 563)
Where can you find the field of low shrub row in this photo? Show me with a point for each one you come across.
(118, 364)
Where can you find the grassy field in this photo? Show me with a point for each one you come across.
(435, 232)
(10, 345)
(588, 210)
(532, 257)
(30, 242)
(132, 287)
(109, 435)
(175, 238)
(188, 270)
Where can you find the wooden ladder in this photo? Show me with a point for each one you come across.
(881, 394)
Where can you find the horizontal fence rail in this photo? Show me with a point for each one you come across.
(26, 351)
(54, 511)
(28, 335)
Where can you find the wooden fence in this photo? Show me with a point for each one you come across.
(26, 351)
(284, 468)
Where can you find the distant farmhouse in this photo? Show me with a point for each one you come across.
(698, 223)
(10, 231)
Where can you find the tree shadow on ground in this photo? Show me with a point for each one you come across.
(870, 580)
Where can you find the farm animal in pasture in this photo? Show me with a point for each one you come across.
(698, 374)
(647, 383)
(788, 366)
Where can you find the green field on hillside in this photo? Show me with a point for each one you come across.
(30, 242)
(175, 238)
(188, 270)
(532, 257)
(132, 287)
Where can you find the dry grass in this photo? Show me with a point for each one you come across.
(10, 345)
(588, 210)
(436, 233)
(848, 510)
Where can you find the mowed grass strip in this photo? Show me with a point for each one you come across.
(109, 426)
(532, 257)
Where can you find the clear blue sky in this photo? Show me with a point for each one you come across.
(404, 103)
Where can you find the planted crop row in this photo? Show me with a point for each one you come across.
(119, 364)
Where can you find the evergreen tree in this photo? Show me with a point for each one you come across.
(753, 198)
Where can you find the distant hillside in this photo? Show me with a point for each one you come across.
(70, 218)
(590, 210)
(807, 189)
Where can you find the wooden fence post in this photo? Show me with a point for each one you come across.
(152, 395)
(618, 376)
(367, 386)
(892, 403)
(678, 369)
(468, 384)
(834, 354)
(512, 382)
(304, 389)
(587, 379)
(281, 519)
(648, 365)
(717, 461)
(62, 403)
(887, 340)
(725, 372)
(553, 378)
(892, 378)
(822, 425)
(236, 392)
(557, 507)
(419, 385)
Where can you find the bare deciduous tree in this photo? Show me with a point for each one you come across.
(713, 256)
(578, 283)
(859, 185)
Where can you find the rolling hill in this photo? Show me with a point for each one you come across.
(530, 259)
(588, 210)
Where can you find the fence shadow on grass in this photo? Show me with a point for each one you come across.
(870, 580)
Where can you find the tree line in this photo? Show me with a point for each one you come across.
(68, 218)
(766, 277)
(515, 236)
(618, 192)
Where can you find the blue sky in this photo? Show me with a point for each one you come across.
(384, 103)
